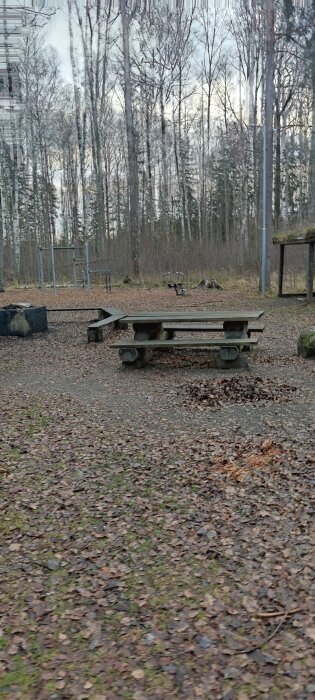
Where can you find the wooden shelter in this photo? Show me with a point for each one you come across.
(303, 237)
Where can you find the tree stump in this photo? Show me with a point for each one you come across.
(306, 342)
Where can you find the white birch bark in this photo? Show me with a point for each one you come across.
(13, 152)
(133, 177)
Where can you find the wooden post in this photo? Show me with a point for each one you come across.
(281, 266)
(310, 271)
(95, 335)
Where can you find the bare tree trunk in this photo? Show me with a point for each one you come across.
(165, 189)
(107, 187)
(133, 178)
(92, 77)
(252, 114)
(149, 167)
(277, 183)
(80, 135)
(284, 148)
(13, 151)
(118, 203)
(311, 192)
(180, 144)
(1, 247)
(202, 170)
(226, 169)
(181, 199)
(269, 99)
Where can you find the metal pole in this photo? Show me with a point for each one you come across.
(74, 269)
(86, 250)
(53, 271)
(41, 268)
(264, 218)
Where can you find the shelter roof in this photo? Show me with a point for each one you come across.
(306, 235)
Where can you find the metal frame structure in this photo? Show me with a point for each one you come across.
(175, 281)
(86, 279)
(75, 261)
(298, 238)
(84, 261)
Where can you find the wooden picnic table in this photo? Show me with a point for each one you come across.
(154, 329)
(207, 316)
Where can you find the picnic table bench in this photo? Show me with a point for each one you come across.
(172, 328)
(107, 317)
(154, 330)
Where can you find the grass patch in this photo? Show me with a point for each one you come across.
(20, 677)
(10, 522)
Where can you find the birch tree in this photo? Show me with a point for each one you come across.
(268, 140)
(133, 176)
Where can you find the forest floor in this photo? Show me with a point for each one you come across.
(157, 525)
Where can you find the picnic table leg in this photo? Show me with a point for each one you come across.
(169, 335)
(139, 357)
(230, 357)
(237, 329)
(136, 357)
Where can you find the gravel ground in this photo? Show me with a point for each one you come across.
(154, 547)
(62, 361)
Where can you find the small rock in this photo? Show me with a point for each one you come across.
(52, 564)
(88, 685)
(233, 622)
(206, 532)
(112, 583)
(260, 657)
(138, 674)
(169, 668)
(232, 673)
(122, 606)
(233, 643)
(203, 641)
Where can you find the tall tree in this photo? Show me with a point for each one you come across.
(133, 176)
(268, 139)
(310, 47)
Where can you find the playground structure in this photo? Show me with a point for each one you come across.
(79, 257)
(175, 281)
(300, 237)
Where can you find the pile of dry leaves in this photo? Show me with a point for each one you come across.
(238, 389)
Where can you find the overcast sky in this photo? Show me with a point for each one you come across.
(57, 36)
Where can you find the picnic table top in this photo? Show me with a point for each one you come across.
(177, 316)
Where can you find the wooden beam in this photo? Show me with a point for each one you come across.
(281, 266)
(186, 343)
(310, 271)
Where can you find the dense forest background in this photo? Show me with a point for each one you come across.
(184, 125)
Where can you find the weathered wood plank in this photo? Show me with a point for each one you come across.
(95, 331)
(193, 328)
(105, 311)
(191, 316)
(105, 321)
(281, 267)
(186, 343)
(75, 308)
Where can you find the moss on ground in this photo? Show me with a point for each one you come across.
(306, 342)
